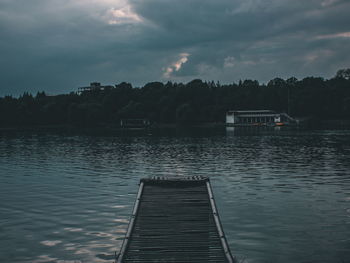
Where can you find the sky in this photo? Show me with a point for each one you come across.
(59, 45)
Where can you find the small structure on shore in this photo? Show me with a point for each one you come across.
(257, 117)
(134, 123)
(93, 87)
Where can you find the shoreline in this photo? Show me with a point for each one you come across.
(324, 124)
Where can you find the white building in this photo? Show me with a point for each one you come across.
(256, 117)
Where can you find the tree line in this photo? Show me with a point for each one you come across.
(192, 103)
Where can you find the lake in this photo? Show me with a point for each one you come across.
(283, 195)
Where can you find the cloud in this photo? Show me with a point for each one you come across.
(336, 35)
(59, 45)
(124, 15)
(328, 2)
(317, 55)
(176, 66)
(229, 62)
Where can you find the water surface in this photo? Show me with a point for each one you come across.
(283, 196)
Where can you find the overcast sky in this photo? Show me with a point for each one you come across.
(59, 45)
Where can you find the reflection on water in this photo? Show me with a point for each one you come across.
(283, 196)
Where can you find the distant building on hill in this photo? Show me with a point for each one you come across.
(257, 118)
(93, 86)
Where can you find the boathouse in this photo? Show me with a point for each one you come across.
(256, 117)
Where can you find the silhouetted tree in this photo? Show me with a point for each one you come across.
(193, 102)
(343, 73)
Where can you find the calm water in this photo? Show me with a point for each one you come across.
(283, 196)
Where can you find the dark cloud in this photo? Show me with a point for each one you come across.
(57, 45)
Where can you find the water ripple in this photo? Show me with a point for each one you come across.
(282, 196)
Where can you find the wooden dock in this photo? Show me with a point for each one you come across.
(175, 220)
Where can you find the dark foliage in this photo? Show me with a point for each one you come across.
(194, 102)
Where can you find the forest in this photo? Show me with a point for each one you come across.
(175, 103)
